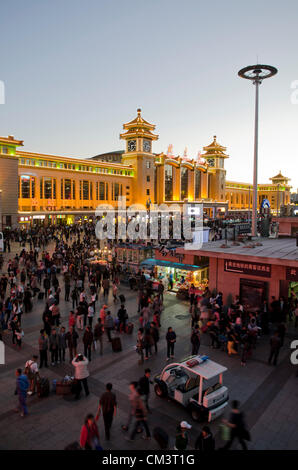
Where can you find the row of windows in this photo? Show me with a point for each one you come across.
(4, 149)
(184, 183)
(239, 198)
(72, 166)
(48, 189)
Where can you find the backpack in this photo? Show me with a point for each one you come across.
(28, 370)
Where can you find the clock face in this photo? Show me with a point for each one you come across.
(211, 162)
(146, 146)
(132, 145)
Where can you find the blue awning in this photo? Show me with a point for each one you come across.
(151, 262)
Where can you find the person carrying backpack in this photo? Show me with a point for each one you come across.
(31, 371)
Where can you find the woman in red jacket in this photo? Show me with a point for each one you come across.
(89, 438)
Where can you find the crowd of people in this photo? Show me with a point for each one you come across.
(234, 329)
(39, 275)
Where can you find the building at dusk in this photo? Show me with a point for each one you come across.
(41, 187)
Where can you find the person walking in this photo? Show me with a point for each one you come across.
(155, 335)
(140, 414)
(88, 341)
(144, 388)
(115, 290)
(62, 345)
(108, 406)
(275, 345)
(132, 397)
(205, 441)
(55, 314)
(89, 437)
(72, 342)
(22, 386)
(106, 287)
(237, 425)
(122, 316)
(54, 346)
(98, 335)
(148, 343)
(195, 340)
(171, 340)
(74, 297)
(81, 374)
(43, 344)
(140, 345)
(80, 318)
(90, 314)
(109, 325)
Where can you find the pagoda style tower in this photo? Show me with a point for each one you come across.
(138, 154)
(280, 180)
(215, 156)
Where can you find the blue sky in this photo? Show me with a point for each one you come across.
(75, 71)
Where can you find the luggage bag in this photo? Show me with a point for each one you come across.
(116, 344)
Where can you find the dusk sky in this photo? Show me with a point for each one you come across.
(75, 71)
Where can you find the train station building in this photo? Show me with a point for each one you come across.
(41, 188)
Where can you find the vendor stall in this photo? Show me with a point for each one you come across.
(180, 275)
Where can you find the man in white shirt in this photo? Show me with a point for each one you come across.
(31, 370)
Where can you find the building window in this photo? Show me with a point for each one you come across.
(48, 188)
(4, 149)
(116, 191)
(84, 190)
(148, 192)
(100, 191)
(184, 183)
(197, 184)
(25, 187)
(168, 182)
(67, 189)
(148, 179)
(148, 165)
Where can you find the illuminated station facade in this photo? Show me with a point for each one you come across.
(41, 188)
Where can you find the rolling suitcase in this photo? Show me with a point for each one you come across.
(116, 344)
(43, 387)
(40, 295)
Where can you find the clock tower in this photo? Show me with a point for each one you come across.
(215, 156)
(138, 136)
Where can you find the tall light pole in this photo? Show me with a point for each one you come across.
(256, 73)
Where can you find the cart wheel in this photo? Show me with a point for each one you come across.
(197, 414)
(160, 390)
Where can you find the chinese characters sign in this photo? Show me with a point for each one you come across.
(244, 267)
(292, 274)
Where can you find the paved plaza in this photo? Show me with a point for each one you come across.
(268, 394)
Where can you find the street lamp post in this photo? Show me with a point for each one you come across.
(256, 73)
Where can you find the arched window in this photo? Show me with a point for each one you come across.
(168, 182)
(184, 183)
